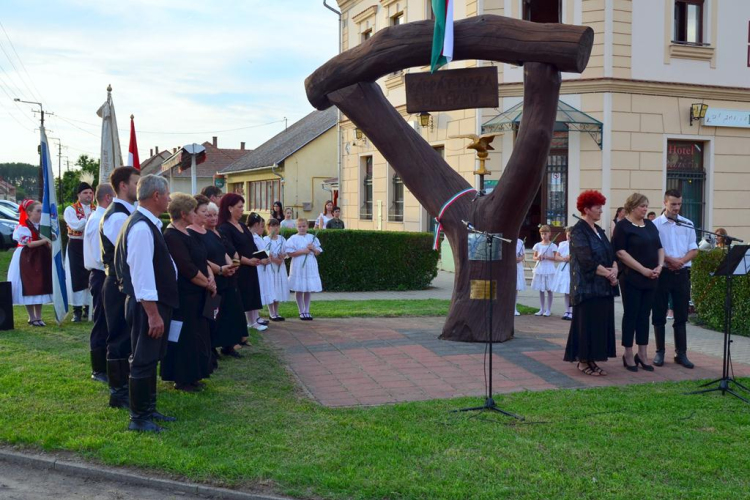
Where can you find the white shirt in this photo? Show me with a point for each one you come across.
(676, 240)
(72, 220)
(114, 222)
(141, 258)
(92, 254)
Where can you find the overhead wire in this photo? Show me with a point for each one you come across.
(38, 95)
(257, 125)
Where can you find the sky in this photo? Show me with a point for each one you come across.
(186, 69)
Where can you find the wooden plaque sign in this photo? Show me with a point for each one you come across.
(452, 89)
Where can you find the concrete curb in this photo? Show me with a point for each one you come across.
(103, 473)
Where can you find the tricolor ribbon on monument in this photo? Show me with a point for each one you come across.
(50, 227)
(439, 226)
(442, 38)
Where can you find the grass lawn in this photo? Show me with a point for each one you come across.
(378, 308)
(251, 428)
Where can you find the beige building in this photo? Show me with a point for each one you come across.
(297, 167)
(623, 125)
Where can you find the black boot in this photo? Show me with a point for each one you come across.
(99, 364)
(77, 312)
(118, 371)
(680, 342)
(155, 415)
(85, 313)
(140, 406)
(659, 334)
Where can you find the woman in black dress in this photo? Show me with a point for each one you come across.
(638, 246)
(230, 212)
(189, 359)
(228, 328)
(593, 287)
(277, 212)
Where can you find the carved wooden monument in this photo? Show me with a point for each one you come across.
(348, 82)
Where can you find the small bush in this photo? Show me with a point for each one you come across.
(354, 260)
(709, 292)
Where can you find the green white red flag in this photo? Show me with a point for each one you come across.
(442, 38)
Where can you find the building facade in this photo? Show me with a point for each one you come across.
(296, 167)
(624, 125)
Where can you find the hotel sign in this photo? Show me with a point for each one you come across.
(717, 117)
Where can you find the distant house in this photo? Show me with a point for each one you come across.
(216, 159)
(153, 164)
(297, 167)
(7, 191)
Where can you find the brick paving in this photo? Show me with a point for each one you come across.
(373, 361)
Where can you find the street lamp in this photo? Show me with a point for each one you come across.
(697, 111)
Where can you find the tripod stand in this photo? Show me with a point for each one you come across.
(735, 263)
(490, 291)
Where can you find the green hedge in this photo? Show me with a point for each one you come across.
(708, 294)
(360, 261)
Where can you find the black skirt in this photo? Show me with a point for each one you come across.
(592, 331)
(189, 359)
(230, 325)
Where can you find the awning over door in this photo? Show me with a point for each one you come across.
(568, 118)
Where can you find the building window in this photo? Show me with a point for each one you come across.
(397, 19)
(396, 208)
(366, 208)
(366, 35)
(686, 173)
(263, 194)
(688, 21)
(237, 188)
(556, 181)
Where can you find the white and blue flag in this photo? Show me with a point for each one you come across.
(50, 227)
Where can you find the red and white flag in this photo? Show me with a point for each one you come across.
(133, 160)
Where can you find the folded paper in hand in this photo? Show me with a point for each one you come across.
(175, 327)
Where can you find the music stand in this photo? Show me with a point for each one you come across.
(736, 263)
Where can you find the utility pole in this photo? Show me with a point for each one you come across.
(59, 162)
(41, 172)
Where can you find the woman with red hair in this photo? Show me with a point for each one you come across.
(593, 287)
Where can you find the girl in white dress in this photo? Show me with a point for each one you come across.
(275, 246)
(289, 222)
(544, 270)
(266, 292)
(304, 277)
(28, 237)
(561, 283)
(520, 272)
(325, 216)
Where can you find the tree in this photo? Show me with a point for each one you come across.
(22, 175)
(72, 178)
(347, 81)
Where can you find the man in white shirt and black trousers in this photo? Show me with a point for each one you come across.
(124, 180)
(92, 261)
(148, 277)
(680, 248)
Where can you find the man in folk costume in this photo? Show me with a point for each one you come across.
(92, 260)
(124, 180)
(76, 274)
(148, 277)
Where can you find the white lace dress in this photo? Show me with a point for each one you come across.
(520, 271)
(264, 278)
(544, 270)
(304, 275)
(279, 280)
(561, 283)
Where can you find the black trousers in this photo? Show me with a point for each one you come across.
(146, 351)
(99, 332)
(118, 335)
(637, 304)
(677, 286)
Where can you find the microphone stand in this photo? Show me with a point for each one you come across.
(489, 402)
(728, 240)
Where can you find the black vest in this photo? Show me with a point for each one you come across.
(108, 247)
(164, 274)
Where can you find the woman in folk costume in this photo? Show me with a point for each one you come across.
(561, 282)
(76, 274)
(30, 271)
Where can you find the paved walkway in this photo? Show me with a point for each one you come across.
(371, 361)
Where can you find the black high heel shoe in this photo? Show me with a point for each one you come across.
(638, 361)
(629, 368)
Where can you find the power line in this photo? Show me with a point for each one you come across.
(76, 126)
(14, 117)
(172, 133)
(16, 72)
(14, 102)
(37, 97)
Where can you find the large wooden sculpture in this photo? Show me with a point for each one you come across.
(348, 81)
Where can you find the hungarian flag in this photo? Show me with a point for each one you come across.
(133, 160)
(442, 38)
